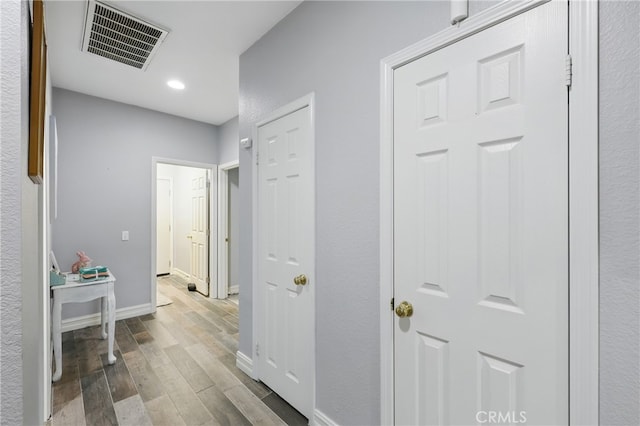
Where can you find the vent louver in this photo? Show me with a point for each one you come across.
(121, 37)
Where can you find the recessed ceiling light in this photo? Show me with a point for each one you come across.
(175, 84)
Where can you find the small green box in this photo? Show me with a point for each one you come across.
(56, 278)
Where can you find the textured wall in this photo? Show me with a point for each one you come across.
(228, 141)
(105, 151)
(619, 213)
(13, 121)
(334, 49)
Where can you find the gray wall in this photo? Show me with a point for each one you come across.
(14, 27)
(105, 150)
(228, 141)
(619, 213)
(334, 49)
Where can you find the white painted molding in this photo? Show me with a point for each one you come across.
(77, 323)
(583, 201)
(481, 21)
(321, 419)
(234, 289)
(222, 290)
(584, 297)
(245, 364)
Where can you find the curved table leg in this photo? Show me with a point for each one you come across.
(112, 325)
(103, 317)
(57, 339)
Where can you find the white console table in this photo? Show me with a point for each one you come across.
(83, 291)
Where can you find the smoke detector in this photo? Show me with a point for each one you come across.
(119, 36)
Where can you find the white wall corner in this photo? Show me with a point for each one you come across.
(321, 419)
(245, 364)
(77, 323)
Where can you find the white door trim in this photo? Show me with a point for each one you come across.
(223, 224)
(170, 179)
(583, 199)
(212, 173)
(305, 101)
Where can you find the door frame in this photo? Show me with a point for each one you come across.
(213, 189)
(583, 199)
(257, 295)
(170, 179)
(222, 286)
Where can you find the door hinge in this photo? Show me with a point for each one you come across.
(257, 157)
(257, 349)
(392, 303)
(569, 70)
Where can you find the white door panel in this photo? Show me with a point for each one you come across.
(481, 232)
(285, 249)
(199, 232)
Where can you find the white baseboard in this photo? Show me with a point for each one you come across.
(180, 272)
(245, 364)
(77, 323)
(321, 419)
(234, 289)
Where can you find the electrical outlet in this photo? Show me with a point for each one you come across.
(125, 235)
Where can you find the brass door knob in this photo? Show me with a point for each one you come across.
(404, 310)
(300, 280)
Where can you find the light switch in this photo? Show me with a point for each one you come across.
(125, 235)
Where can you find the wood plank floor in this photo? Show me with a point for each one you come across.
(174, 367)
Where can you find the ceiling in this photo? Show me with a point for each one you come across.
(202, 50)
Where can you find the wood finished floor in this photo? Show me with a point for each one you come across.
(174, 367)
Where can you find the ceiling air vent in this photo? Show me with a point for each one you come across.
(121, 37)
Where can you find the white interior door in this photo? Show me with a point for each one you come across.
(480, 227)
(285, 241)
(163, 226)
(200, 232)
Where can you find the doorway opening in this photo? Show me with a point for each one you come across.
(183, 223)
(228, 230)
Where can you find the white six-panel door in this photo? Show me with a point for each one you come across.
(285, 250)
(199, 232)
(480, 227)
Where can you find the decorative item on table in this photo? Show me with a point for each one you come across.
(93, 273)
(56, 278)
(84, 261)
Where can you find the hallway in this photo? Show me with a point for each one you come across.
(174, 367)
